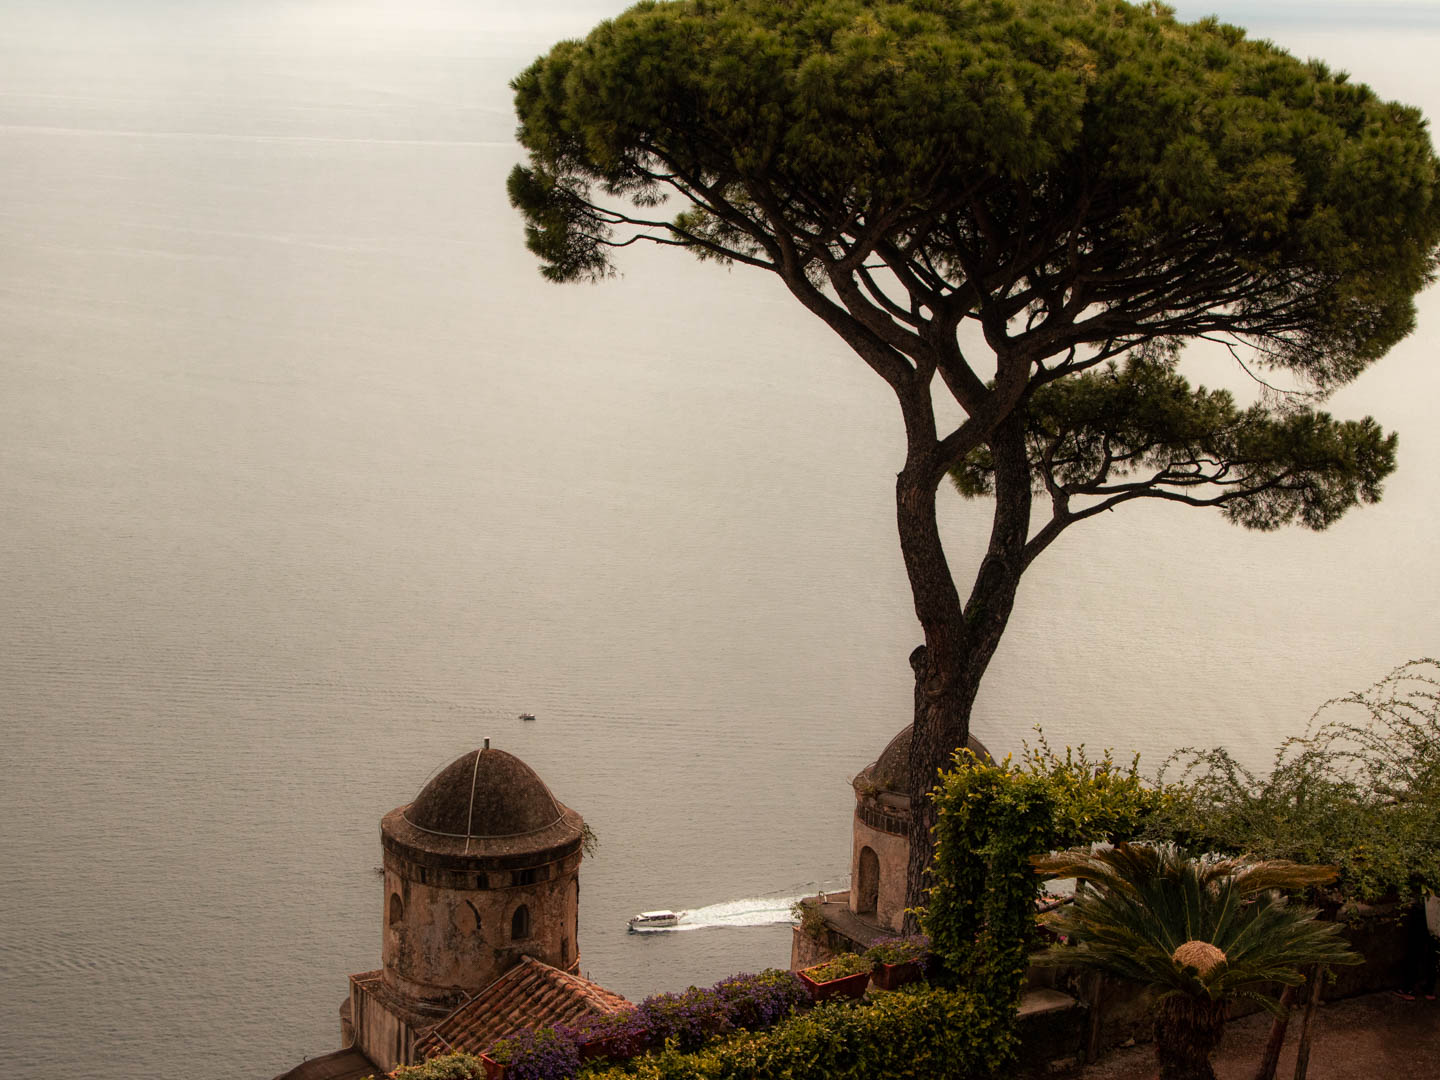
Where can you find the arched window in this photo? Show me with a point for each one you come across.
(397, 910)
(867, 882)
(520, 924)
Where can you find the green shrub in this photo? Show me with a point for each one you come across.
(1095, 801)
(892, 949)
(812, 924)
(839, 967)
(1359, 791)
(459, 1066)
(925, 1034)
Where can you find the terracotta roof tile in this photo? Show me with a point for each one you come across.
(531, 994)
(347, 1064)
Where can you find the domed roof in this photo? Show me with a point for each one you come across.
(485, 810)
(484, 794)
(891, 770)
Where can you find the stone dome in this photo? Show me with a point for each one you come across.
(485, 810)
(891, 770)
(484, 794)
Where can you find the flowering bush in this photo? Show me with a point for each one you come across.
(692, 1018)
(756, 1002)
(899, 950)
(545, 1054)
(625, 1033)
(841, 966)
(749, 1002)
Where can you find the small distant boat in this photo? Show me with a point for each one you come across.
(527, 716)
(655, 920)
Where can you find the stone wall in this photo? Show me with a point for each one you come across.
(892, 852)
(379, 1033)
(443, 940)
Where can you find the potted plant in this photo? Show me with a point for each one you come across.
(616, 1036)
(898, 960)
(457, 1065)
(546, 1054)
(846, 975)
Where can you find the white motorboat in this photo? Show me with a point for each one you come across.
(655, 920)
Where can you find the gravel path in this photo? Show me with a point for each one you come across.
(1376, 1037)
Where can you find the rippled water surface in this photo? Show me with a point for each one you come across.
(308, 483)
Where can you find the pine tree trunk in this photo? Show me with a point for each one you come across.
(942, 723)
(941, 708)
(960, 639)
(1187, 1031)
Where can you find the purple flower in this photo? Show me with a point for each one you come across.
(757, 1002)
(692, 1018)
(625, 1033)
(545, 1054)
(751, 1002)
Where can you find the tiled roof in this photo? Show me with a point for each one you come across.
(530, 994)
(347, 1064)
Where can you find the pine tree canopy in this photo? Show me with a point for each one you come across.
(1113, 434)
(1097, 169)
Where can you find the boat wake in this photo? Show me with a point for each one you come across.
(751, 911)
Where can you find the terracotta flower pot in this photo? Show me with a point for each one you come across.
(852, 986)
(494, 1070)
(894, 976)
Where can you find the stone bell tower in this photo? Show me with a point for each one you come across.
(481, 870)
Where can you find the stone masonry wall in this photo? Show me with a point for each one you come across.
(892, 852)
(440, 942)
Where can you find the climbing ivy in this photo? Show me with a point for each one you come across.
(991, 820)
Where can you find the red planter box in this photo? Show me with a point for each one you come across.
(852, 986)
(493, 1069)
(604, 1047)
(894, 976)
(620, 1047)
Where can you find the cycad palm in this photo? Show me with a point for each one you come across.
(1205, 931)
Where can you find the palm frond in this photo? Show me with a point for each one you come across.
(1266, 874)
(1144, 901)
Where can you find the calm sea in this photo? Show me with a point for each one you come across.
(308, 483)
